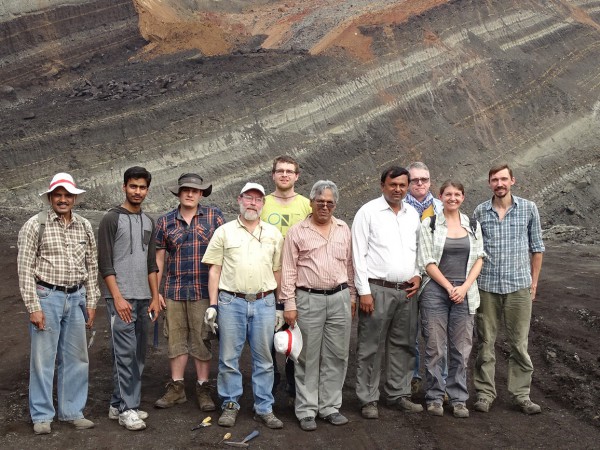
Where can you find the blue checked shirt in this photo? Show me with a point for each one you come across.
(508, 244)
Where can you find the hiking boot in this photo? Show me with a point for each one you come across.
(113, 413)
(130, 420)
(82, 423)
(336, 419)
(528, 407)
(42, 428)
(308, 424)
(435, 409)
(404, 404)
(370, 411)
(460, 411)
(482, 405)
(228, 415)
(415, 385)
(205, 401)
(269, 420)
(175, 394)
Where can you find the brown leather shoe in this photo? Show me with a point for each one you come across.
(205, 401)
(175, 394)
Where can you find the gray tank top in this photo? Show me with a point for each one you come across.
(454, 258)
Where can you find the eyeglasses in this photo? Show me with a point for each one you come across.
(419, 181)
(251, 199)
(321, 203)
(285, 172)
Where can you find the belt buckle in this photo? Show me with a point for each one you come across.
(399, 286)
(250, 297)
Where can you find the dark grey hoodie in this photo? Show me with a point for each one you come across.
(127, 251)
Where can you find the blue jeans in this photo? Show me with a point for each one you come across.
(239, 321)
(447, 326)
(63, 341)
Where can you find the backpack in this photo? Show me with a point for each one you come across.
(42, 215)
(472, 224)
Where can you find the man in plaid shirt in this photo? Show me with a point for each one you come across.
(58, 280)
(182, 236)
(512, 239)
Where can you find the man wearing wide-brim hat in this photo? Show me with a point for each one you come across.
(57, 267)
(181, 236)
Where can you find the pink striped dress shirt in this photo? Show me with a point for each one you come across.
(312, 261)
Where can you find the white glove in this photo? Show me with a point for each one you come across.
(210, 319)
(279, 320)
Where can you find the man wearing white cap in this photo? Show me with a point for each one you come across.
(245, 262)
(317, 288)
(58, 280)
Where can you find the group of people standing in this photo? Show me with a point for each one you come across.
(409, 261)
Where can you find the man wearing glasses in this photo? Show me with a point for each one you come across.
(419, 197)
(182, 236)
(318, 291)
(384, 251)
(245, 271)
(284, 208)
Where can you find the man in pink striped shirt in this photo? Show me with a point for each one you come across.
(317, 289)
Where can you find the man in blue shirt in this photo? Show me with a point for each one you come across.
(512, 237)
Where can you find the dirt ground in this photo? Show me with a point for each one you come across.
(563, 345)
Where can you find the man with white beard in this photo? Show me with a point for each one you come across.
(245, 271)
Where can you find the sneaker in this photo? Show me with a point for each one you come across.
(435, 409)
(308, 424)
(82, 423)
(42, 428)
(482, 405)
(175, 394)
(336, 419)
(528, 407)
(404, 404)
(415, 385)
(228, 415)
(113, 413)
(460, 411)
(370, 411)
(130, 420)
(204, 398)
(269, 420)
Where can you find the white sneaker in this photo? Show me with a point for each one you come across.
(113, 413)
(130, 420)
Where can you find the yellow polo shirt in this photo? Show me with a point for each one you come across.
(284, 216)
(247, 260)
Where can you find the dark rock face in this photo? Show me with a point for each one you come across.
(460, 86)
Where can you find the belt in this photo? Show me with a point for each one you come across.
(65, 289)
(390, 284)
(250, 297)
(339, 288)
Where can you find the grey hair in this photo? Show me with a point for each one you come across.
(417, 165)
(320, 186)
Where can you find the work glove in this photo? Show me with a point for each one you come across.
(279, 320)
(210, 318)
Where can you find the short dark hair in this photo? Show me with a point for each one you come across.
(136, 172)
(285, 159)
(455, 184)
(498, 168)
(394, 172)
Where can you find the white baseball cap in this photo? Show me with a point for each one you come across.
(250, 186)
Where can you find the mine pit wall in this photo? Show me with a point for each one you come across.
(42, 38)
